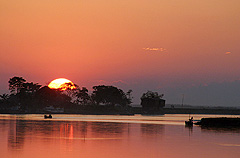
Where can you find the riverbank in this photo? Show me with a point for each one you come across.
(226, 111)
(193, 110)
(135, 110)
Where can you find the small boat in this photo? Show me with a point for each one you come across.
(49, 116)
(189, 122)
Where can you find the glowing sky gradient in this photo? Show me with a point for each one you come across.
(169, 46)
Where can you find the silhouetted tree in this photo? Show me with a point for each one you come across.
(152, 102)
(129, 96)
(82, 96)
(16, 84)
(4, 102)
(23, 93)
(109, 95)
(51, 97)
(152, 95)
(31, 87)
(4, 97)
(69, 89)
(67, 86)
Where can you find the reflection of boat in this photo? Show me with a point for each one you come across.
(49, 116)
(189, 122)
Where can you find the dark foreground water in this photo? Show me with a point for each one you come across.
(74, 136)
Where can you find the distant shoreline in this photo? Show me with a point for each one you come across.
(138, 110)
(226, 111)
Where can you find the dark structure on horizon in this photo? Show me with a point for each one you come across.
(152, 103)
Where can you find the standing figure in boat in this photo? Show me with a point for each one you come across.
(189, 122)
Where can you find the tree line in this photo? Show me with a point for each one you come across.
(32, 97)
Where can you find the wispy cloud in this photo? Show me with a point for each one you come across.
(119, 81)
(155, 49)
(227, 53)
(103, 82)
(233, 145)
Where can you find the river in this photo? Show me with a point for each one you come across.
(103, 136)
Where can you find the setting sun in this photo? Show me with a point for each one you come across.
(61, 83)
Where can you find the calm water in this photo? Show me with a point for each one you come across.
(74, 136)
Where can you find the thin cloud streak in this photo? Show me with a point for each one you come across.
(103, 82)
(228, 53)
(155, 49)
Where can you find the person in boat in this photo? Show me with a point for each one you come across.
(49, 116)
(189, 122)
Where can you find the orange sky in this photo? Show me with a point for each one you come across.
(98, 40)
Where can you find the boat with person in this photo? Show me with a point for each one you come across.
(189, 122)
(48, 116)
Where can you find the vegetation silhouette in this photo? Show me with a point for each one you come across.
(15, 84)
(29, 97)
(152, 103)
(109, 95)
(82, 96)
